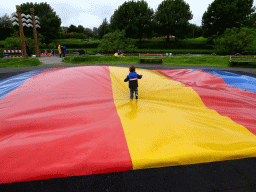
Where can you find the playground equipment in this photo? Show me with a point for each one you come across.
(116, 54)
(46, 55)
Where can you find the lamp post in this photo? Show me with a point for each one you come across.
(21, 24)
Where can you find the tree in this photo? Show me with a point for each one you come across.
(80, 29)
(194, 31)
(152, 30)
(103, 28)
(49, 21)
(144, 21)
(5, 21)
(6, 27)
(225, 14)
(63, 29)
(250, 21)
(88, 32)
(198, 32)
(111, 42)
(134, 17)
(72, 29)
(172, 18)
(95, 32)
(117, 20)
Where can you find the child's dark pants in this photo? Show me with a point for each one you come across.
(132, 91)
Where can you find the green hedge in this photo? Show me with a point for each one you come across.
(76, 45)
(145, 44)
(163, 51)
(162, 44)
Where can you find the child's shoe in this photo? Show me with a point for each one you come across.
(137, 97)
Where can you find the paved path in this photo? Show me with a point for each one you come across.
(56, 62)
(51, 60)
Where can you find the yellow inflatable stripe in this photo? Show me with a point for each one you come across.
(169, 124)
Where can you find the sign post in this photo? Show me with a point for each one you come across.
(34, 30)
(22, 40)
(21, 24)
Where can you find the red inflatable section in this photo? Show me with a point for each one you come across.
(41, 140)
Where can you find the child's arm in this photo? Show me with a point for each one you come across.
(139, 76)
(127, 79)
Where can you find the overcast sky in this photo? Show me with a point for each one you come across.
(89, 13)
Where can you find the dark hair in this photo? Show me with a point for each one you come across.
(132, 69)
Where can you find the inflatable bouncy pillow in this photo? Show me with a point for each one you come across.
(51, 126)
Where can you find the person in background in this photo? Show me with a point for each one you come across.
(28, 50)
(118, 52)
(59, 48)
(64, 50)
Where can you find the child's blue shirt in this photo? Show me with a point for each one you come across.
(133, 80)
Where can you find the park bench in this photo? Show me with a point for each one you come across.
(75, 53)
(72, 54)
(158, 55)
(240, 57)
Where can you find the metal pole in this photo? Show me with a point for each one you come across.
(34, 30)
(21, 32)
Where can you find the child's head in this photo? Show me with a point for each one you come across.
(132, 69)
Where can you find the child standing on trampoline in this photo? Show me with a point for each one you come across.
(133, 82)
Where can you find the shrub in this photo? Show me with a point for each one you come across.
(73, 35)
(235, 41)
(210, 40)
(111, 42)
(14, 43)
(52, 46)
(200, 38)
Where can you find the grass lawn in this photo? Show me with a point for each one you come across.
(19, 62)
(246, 60)
(217, 61)
(220, 61)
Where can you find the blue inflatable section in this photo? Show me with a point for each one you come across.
(243, 82)
(7, 85)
